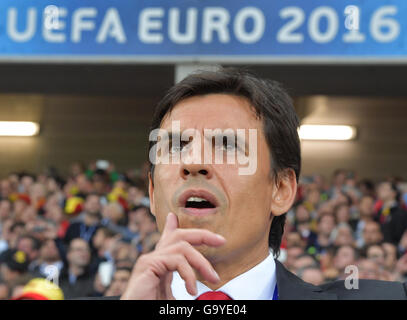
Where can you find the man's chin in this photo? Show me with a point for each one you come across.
(191, 222)
(210, 253)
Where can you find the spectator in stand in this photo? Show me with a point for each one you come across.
(303, 225)
(342, 215)
(14, 267)
(16, 230)
(377, 254)
(4, 291)
(368, 269)
(49, 259)
(342, 235)
(312, 200)
(119, 282)
(391, 216)
(114, 218)
(401, 268)
(89, 221)
(137, 195)
(390, 257)
(367, 188)
(344, 256)
(303, 261)
(148, 232)
(372, 233)
(31, 246)
(338, 182)
(75, 279)
(326, 224)
(293, 252)
(5, 212)
(402, 246)
(311, 275)
(366, 214)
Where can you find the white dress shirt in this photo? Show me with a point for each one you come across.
(258, 283)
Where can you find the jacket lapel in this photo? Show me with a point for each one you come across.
(290, 287)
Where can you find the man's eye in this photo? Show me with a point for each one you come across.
(179, 148)
(175, 149)
(229, 145)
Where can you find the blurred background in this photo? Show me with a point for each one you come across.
(78, 88)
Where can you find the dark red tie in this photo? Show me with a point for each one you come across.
(214, 295)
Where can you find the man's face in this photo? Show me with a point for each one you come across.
(49, 251)
(344, 257)
(242, 209)
(385, 192)
(79, 253)
(26, 245)
(372, 233)
(390, 256)
(92, 204)
(377, 254)
(313, 276)
(368, 269)
(292, 254)
(366, 206)
(119, 282)
(326, 225)
(5, 208)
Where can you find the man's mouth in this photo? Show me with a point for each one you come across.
(198, 202)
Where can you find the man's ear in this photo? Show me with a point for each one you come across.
(151, 193)
(284, 192)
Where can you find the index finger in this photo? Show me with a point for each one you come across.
(197, 237)
(172, 234)
(171, 224)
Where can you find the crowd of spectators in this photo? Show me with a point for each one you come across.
(347, 222)
(85, 231)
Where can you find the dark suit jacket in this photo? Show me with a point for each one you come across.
(290, 287)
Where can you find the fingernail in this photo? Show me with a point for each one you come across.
(220, 237)
(215, 274)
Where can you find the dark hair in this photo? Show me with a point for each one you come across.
(35, 243)
(356, 252)
(364, 251)
(107, 232)
(394, 188)
(300, 272)
(140, 184)
(16, 225)
(315, 262)
(269, 101)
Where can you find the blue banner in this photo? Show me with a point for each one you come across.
(247, 31)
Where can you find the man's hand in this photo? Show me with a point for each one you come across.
(152, 275)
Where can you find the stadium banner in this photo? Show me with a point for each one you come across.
(227, 31)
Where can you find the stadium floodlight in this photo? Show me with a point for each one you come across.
(19, 128)
(326, 132)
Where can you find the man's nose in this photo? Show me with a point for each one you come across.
(195, 170)
(192, 164)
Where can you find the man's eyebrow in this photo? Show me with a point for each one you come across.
(231, 135)
(170, 136)
(167, 137)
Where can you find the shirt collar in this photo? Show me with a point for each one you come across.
(258, 283)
